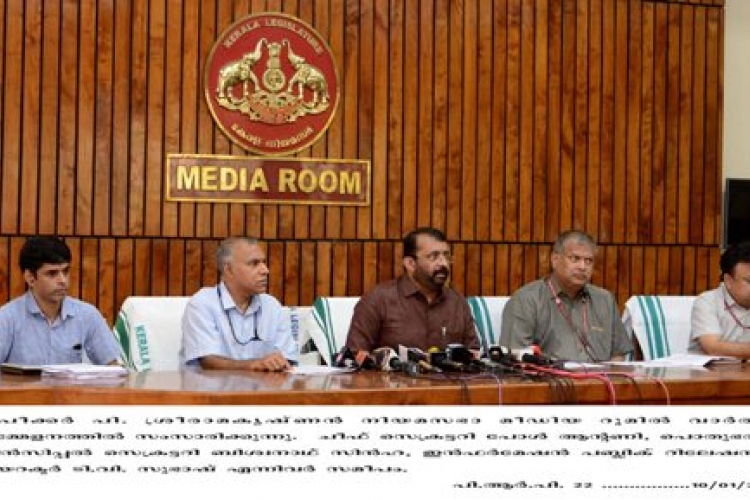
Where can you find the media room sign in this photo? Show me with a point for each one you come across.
(233, 179)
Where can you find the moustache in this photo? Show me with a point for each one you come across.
(441, 270)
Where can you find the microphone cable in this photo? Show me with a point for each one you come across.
(568, 389)
(461, 381)
(630, 379)
(600, 376)
(562, 389)
(633, 377)
(657, 380)
(605, 377)
(498, 382)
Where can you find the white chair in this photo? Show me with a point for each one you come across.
(149, 332)
(328, 324)
(660, 323)
(488, 318)
(299, 321)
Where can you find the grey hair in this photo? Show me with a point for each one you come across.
(574, 236)
(224, 252)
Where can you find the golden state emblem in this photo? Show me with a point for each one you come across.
(271, 84)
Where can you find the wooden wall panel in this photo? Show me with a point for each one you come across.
(551, 168)
(501, 122)
(2, 103)
(32, 39)
(593, 112)
(7, 270)
(12, 91)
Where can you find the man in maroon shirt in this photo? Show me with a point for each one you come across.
(417, 309)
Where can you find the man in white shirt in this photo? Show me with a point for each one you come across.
(236, 325)
(720, 320)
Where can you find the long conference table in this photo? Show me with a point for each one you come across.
(725, 385)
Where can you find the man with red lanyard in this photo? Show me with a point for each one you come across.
(564, 314)
(720, 321)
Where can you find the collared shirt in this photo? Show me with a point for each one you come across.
(397, 313)
(206, 329)
(533, 315)
(26, 337)
(711, 316)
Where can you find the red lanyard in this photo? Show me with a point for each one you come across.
(581, 334)
(567, 314)
(728, 308)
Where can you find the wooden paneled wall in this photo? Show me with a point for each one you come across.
(501, 122)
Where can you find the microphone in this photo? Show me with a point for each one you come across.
(501, 355)
(440, 359)
(387, 360)
(347, 358)
(500, 360)
(417, 356)
(427, 367)
(410, 368)
(460, 354)
(484, 365)
(527, 355)
(364, 361)
(341, 358)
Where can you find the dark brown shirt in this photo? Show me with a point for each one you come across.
(396, 312)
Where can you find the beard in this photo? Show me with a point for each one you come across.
(440, 276)
(436, 280)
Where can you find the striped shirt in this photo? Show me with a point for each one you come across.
(26, 337)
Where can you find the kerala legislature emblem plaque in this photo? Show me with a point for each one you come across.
(271, 84)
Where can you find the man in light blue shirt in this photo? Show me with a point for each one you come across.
(236, 325)
(45, 326)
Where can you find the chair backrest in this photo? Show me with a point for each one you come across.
(149, 331)
(299, 321)
(488, 318)
(660, 323)
(328, 324)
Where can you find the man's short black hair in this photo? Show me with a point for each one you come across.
(739, 253)
(40, 250)
(410, 240)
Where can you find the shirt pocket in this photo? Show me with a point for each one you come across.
(67, 351)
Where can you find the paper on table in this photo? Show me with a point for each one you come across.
(318, 370)
(675, 360)
(580, 366)
(84, 371)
